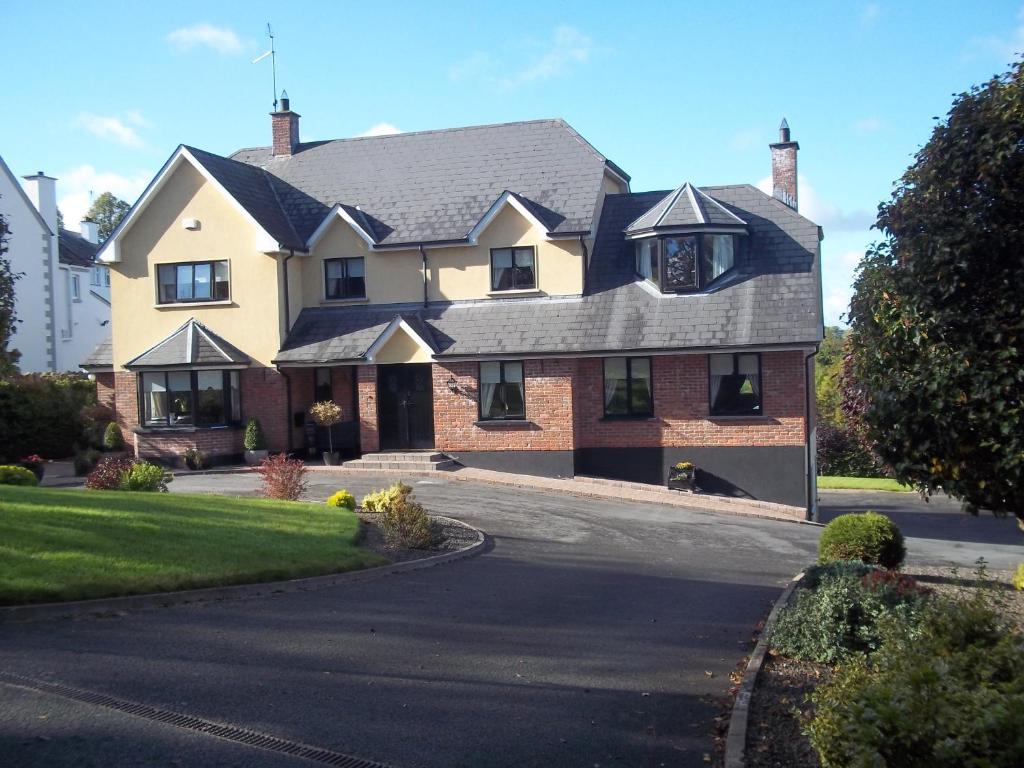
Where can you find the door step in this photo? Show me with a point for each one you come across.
(402, 462)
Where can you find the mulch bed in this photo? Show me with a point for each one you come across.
(452, 535)
(779, 706)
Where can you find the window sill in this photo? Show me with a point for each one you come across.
(177, 304)
(153, 429)
(343, 302)
(502, 422)
(739, 417)
(517, 293)
(650, 417)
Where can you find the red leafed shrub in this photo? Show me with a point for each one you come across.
(282, 478)
(109, 473)
(894, 581)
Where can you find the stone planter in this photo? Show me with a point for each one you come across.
(332, 459)
(252, 458)
(682, 479)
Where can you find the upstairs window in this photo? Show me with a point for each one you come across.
(688, 262)
(513, 269)
(345, 278)
(627, 387)
(96, 277)
(502, 391)
(76, 288)
(193, 282)
(735, 384)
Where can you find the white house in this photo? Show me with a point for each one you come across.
(62, 299)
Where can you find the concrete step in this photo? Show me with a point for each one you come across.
(401, 462)
(406, 456)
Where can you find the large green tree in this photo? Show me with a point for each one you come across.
(828, 366)
(107, 211)
(936, 370)
(8, 319)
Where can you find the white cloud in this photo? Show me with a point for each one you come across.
(869, 14)
(868, 125)
(850, 259)
(823, 212)
(111, 128)
(75, 185)
(1004, 47)
(223, 40)
(566, 48)
(381, 129)
(836, 304)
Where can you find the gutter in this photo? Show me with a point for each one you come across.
(423, 257)
(287, 307)
(586, 263)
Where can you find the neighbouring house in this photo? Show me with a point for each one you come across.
(62, 299)
(494, 293)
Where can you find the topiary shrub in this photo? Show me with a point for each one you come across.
(1018, 577)
(404, 522)
(282, 478)
(869, 537)
(108, 474)
(112, 438)
(948, 694)
(12, 475)
(253, 439)
(85, 461)
(143, 476)
(343, 500)
(388, 498)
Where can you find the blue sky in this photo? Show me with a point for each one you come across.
(671, 91)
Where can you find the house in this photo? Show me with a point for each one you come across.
(494, 293)
(62, 299)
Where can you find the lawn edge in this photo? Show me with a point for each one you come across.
(114, 606)
(736, 738)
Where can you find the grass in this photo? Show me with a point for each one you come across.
(73, 545)
(826, 482)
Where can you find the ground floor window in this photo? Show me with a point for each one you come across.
(502, 391)
(189, 398)
(735, 384)
(627, 386)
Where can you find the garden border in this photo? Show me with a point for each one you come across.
(736, 739)
(105, 607)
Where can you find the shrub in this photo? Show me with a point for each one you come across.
(143, 476)
(112, 438)
(404, 522)
(951, 693)
(1018, 577)
(844, 615)
(843, 568)
(282, 478)
(195, 458)
(388, 498)
(12, 475)
(41, 413)
(253, 440)
(870, 537)
(342, 499)
(85, 461)
(841, 453)
(108, 474)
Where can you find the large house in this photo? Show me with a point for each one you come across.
(494, 293)
(62, 297)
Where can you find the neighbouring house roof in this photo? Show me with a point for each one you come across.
(75, 250)
(771, 298)
(685, 206)
(193, 345)
(101, 357)
(430, 186)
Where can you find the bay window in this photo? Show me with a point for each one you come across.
(189, 398)
(192, 282)
(502, 391)
(735, 384)
(627, 387)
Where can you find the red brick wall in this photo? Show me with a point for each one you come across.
(366, 381)
(105, 392)
(549, 410)
(126, 406)
(170, 447)
(682, 411)
(265, 396)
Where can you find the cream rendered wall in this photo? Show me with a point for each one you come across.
(457, 273)
(402, 348)
(250, 320)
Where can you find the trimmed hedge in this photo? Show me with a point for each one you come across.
(342, 499)
(15, 475)
(41, 413)
(869, 537)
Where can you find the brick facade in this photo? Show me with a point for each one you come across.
(105, 390)
(366, 384)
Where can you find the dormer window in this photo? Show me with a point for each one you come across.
(685, 262)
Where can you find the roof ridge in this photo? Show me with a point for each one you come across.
(277, 199)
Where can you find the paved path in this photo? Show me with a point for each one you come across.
(593, 633)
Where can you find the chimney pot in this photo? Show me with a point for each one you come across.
(784, 185)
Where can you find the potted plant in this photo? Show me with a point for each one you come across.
(681, 477)
(195, 459)
(36, 463)
(254, 442)
(327, 413)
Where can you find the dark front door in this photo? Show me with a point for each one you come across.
(405, 406)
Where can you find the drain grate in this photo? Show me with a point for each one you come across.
(228, 732)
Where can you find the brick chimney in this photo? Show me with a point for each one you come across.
(784, 167)
(285, 125)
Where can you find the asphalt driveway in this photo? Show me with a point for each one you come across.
(592, 633)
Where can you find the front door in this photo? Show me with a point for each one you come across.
(405, 406)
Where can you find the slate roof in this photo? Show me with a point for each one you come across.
(430, 186)
(75, 250)
(773, 297)
(191, 345)
(101, 357)
(685, 206)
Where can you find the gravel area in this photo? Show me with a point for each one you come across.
(452, 535)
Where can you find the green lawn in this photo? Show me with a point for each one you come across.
(73, 544)
(860, 484)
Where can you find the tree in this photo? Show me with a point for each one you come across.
(936, 370)
(827, 368)
(8, 318)
(107, 211)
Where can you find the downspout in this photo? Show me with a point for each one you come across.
(810, 426)
(287, 327)
(423, 257)
(287, 302)
(586, 258)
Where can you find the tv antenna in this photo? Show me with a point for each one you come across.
(273, 61)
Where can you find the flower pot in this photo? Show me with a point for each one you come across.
(332, 459)
(252, 458)
(682, 479)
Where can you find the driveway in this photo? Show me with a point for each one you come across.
(592, 633)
